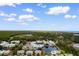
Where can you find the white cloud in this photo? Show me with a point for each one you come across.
(10, 19)
(21, 19)
(24, 19)
(3, 14)
(42, 5)
(12, 14)
(29, 10)
(29, 17)
(58, 10)
(9, 4)
(7, 15)
(70, 16)
(23, 23)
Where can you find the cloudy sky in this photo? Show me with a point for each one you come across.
(38, 16)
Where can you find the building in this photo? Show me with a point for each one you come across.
(25, 47)
(4, 52)
(37, 52)
(4, 44)
(37, 45)
(76, 46)
(1, 52)
(20, 52)
(11, 45)
(29, 53)
(55, 52)
(15, 42)
(7, 44)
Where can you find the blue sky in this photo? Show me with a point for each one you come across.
(39, 16)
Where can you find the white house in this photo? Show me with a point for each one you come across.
(25, 47)
(38, 41)
(7, 44)
(29, 53)
(5, 52)
(11, 45)
(37, 52)
(20, 52)
(15, 42)
(55, 52)
(35, 45)
(4, 44)
(76, 46)
(44, 42)
(51, 42)
(1, 52)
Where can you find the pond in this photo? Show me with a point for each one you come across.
(49, 49)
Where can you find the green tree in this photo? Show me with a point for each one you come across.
(33, 53)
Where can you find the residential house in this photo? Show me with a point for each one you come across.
(15, 42)
(36, 45)
(4, 52)
(20, 52)
(4, 44)
(55, 52)
(29, 53)
(37, 52)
